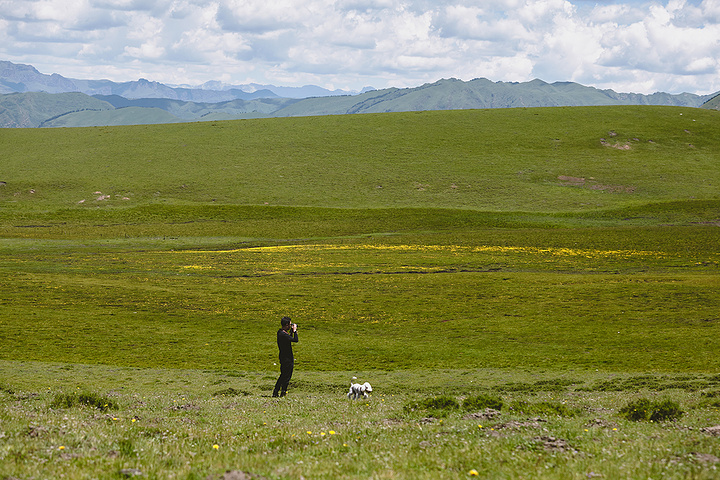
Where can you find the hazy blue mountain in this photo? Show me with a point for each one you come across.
(285, 92)
(25, 78)
(452, 94)
(40, 109)
(18, 78)
(197, 110)
(122, 103)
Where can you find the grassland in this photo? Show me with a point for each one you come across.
(546, 256)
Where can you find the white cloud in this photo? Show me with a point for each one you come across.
(627, 45)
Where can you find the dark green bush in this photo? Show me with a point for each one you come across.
(665, 410)
(70, 400)
(637, 411)
(435, 406)
(231, 392)
(481, 402)
(646, 410)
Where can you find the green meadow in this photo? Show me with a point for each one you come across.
(561, 262)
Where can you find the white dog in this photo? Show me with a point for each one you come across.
(358, 391)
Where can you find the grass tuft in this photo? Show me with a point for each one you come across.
(231, 392)
(654, 411)
(481, 402)
(89, 399)
(439, 406)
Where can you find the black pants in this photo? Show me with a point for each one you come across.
(286, 371)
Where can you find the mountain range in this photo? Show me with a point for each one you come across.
(19, 78)
(29, 98)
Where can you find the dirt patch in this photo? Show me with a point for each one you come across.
(513, 425)
(600, 423)
(568, 180)
(487, 414)
(705, 458)
(617, 145)
(185, 408)
(390, 422)
(553, 444)
(712, 430)
(235, 475)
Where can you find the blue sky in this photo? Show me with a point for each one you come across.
(629, 46)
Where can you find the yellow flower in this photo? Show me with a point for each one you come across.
(61, 447)
(216, 446)
(479, 426)
(332, 432)
(473, 473)
(309, 432)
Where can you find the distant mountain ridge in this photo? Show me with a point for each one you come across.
(145, 102)
(20, 78)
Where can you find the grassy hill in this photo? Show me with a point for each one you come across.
(552, 160)
(449, 94)
(559, 265)
(510, 190)
(122, 116)
(538, 182)
(713, 103)
(32, 109)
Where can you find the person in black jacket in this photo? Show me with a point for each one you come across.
(285, 338)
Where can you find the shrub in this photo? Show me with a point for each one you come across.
(231, 392)
(666, 410)
(481, 402)
(646, 410)
(637, 411)
(435, 406)
(70, 400)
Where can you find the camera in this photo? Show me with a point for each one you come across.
(293, 326)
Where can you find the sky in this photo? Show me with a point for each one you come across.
(626, 45)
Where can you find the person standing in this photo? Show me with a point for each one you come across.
(285, 338)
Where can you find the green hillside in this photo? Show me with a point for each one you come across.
(713, 103)
(453, 94)
(32, 109)
(448, 94)
(121, 116)
(535, 160)
(551, 229)
(532, 293)
(199, 111)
